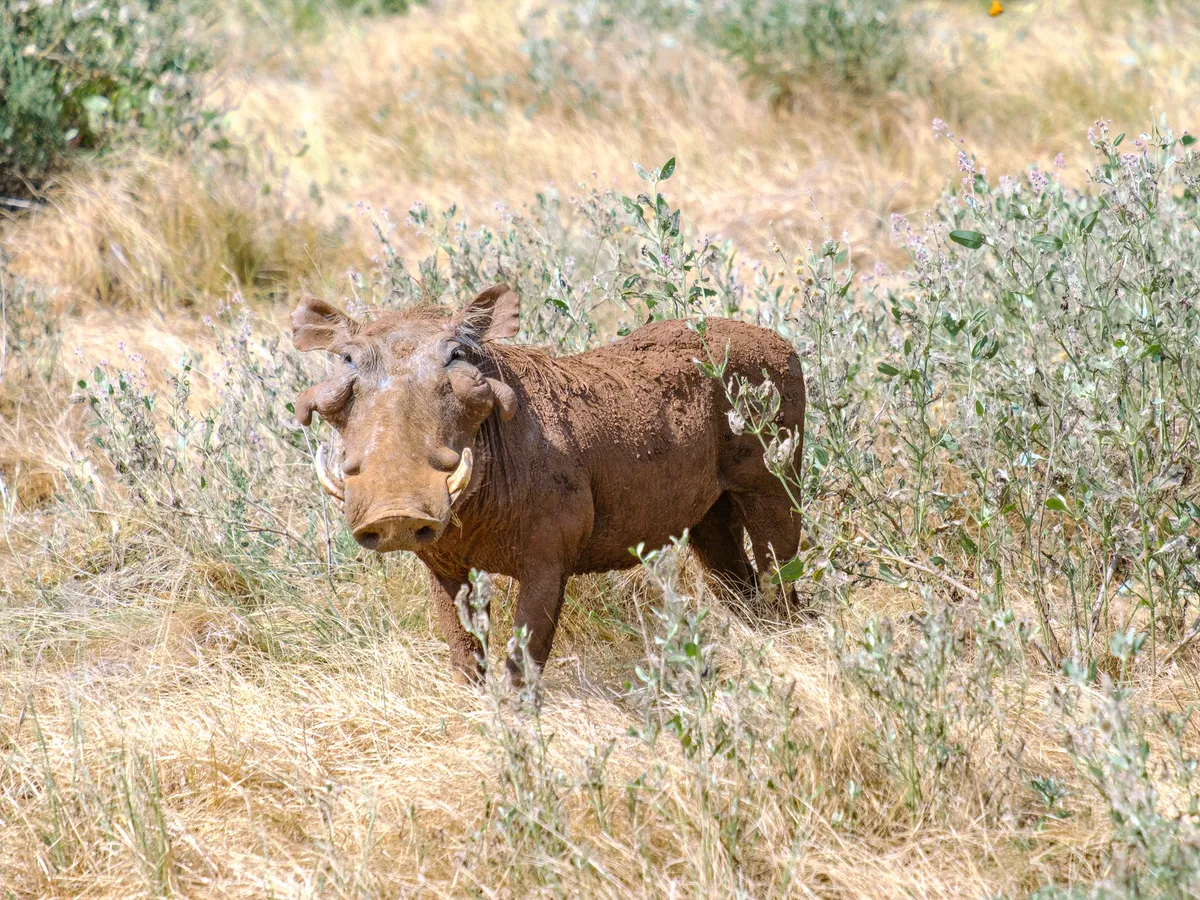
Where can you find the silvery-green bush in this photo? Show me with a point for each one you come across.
(1007, 425)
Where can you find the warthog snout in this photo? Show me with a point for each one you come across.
(402, 531)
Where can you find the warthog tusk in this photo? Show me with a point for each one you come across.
(333, 486)
(461, 476)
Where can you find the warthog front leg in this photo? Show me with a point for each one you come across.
(465, 648)
(539, 602)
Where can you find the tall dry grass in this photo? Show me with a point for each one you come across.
(208, 692)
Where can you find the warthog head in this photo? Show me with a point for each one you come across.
(408, 398)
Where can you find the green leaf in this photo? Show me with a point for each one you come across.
(885, 369)
(967, 544)
(1089, 221)
(667, 170)
(1047, 242)
(642, 173)
(985, 348)
(972, 240)
(1187, 140)
(789, 571)
(1117, 140)
(1056, 503)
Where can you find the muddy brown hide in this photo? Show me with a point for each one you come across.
(476, 454)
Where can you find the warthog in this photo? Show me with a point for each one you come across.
(475, 454)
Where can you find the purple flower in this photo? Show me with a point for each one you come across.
(1099, 130)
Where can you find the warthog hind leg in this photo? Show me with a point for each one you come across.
(719, 542)
(774, 530)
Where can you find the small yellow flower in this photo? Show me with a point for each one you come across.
(997, 8)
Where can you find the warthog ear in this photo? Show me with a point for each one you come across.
(318, 326)
(494, 314)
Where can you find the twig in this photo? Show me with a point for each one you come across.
(1101, 598)
(973, 594)
(257, 529)
(1187, 640)
(954, 583)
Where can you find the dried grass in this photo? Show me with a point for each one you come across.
(170, 725)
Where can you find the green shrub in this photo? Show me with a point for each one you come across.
(858, 45)
(74, 75)
(313, 15)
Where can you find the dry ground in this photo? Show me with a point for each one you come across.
(168, 726)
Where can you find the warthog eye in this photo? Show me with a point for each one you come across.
(457, 353)
(349, 360)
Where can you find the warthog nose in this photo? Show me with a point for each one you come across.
(398, 532)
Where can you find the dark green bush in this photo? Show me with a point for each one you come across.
(75, 74)
(859, 45)
(312, 15)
